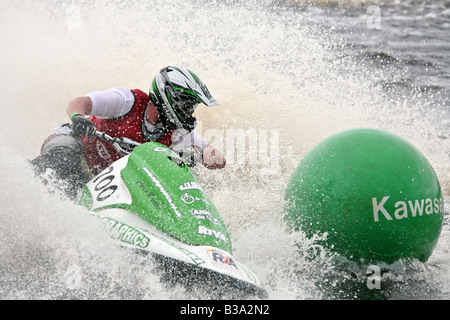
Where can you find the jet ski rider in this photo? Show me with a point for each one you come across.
(164, 115)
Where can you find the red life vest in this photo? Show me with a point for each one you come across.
(100, 154)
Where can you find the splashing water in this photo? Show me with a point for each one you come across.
(286, 77)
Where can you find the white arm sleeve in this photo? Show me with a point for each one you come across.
(112, 103)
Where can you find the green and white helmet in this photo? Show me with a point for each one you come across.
(176, 93)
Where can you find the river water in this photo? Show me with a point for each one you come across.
(287, 74)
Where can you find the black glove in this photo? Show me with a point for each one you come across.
(191, 155)
(83, 126)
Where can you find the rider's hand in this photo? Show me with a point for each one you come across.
(83, 126)
(191, 155)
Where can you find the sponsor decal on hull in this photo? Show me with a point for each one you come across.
(126, 233)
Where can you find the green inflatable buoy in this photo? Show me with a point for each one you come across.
(374, 194)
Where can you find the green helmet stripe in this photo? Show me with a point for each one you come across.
(170, 100)
(156, 90)
(190, 72)
(194, 76)
(195, 95)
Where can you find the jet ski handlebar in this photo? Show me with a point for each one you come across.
(122, 145)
